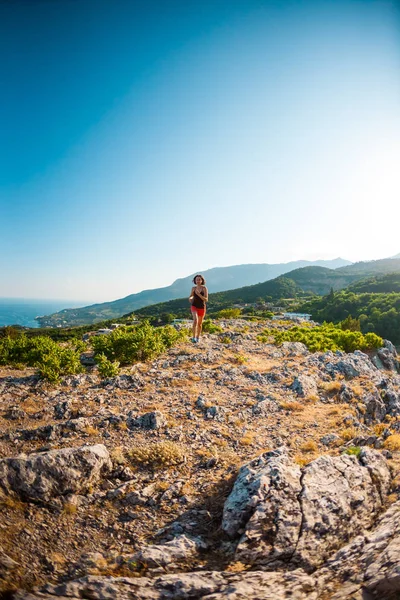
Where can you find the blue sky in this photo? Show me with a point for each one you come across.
(143, 141)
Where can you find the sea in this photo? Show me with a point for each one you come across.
(22, 311)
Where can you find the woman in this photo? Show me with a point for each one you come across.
(198, 299)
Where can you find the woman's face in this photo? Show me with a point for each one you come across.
(198, 280)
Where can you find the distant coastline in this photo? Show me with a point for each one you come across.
(23, 311)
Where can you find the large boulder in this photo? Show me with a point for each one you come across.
(305, 385)
(355, 364)
(263, 508)
(369, 566)
(41, 476)
(366, 568)
(210, 585)
(160, 555)
(282, 514)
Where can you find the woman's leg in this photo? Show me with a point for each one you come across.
(195, 320)
(199, 325)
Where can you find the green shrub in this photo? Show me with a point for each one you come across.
(323, 338)
(353, 451)
(229, 313)
(138, 343)
(51, 359)
(210, 327)
(106, 367)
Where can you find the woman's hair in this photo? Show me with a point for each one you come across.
(203, 281)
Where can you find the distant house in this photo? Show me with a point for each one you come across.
(296, 316)
(181, 321)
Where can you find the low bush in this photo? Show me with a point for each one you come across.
(105, 367)
(138, 343)
(210, 327)
(229, 313)
(157, 454)
(323, 338)
(50, 358)
(353, 451)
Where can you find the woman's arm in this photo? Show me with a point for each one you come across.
(204, 295)
(191, 295)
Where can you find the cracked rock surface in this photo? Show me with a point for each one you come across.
(229, 469)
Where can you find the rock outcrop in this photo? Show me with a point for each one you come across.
(42, 476)
(283, 514)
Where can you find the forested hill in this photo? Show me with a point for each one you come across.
(218, 279)
(276, 289)
(317, 279)
(371, 267)
(386, 284)
(320, 280)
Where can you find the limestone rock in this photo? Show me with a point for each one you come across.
(264, 507)
(369, 566)
(330, 439)
(41, 476)
(304, 385)
(210, 585)
(161, 555)
(283, 514)
(340, 496)
(294, 348)
(375, 409)
(150, 420)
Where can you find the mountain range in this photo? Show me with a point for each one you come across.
(218, 279)
(231, 285)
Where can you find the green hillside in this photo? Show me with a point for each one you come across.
(273, 290)
(385, 285)
(377, 312)
(320, 280)
(218, 279)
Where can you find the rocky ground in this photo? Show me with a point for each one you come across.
(217, 471)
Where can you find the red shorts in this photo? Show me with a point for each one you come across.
(200, 311)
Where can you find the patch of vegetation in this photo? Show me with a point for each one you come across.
(210, 327)
(50, 358)
(106, 367)
(229, 313)
(353, 451)
(137, 343)
(375, 312)
(323, 338)
(393, 442)
(157, 455)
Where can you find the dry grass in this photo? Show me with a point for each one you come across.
(392, 498)
(31, 406)
(247, 439)
(237, 567)
(379, 428)
(312, 399)
(12, 503)
(302, 461)
(157, 455)
(357, 390)
(69, 508)
(332, 387)
(292, 405)
(309, 446)
(393, 442)
(90, 430)
(348, 434)
(117, 456)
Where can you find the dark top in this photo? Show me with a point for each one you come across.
(197, 301)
